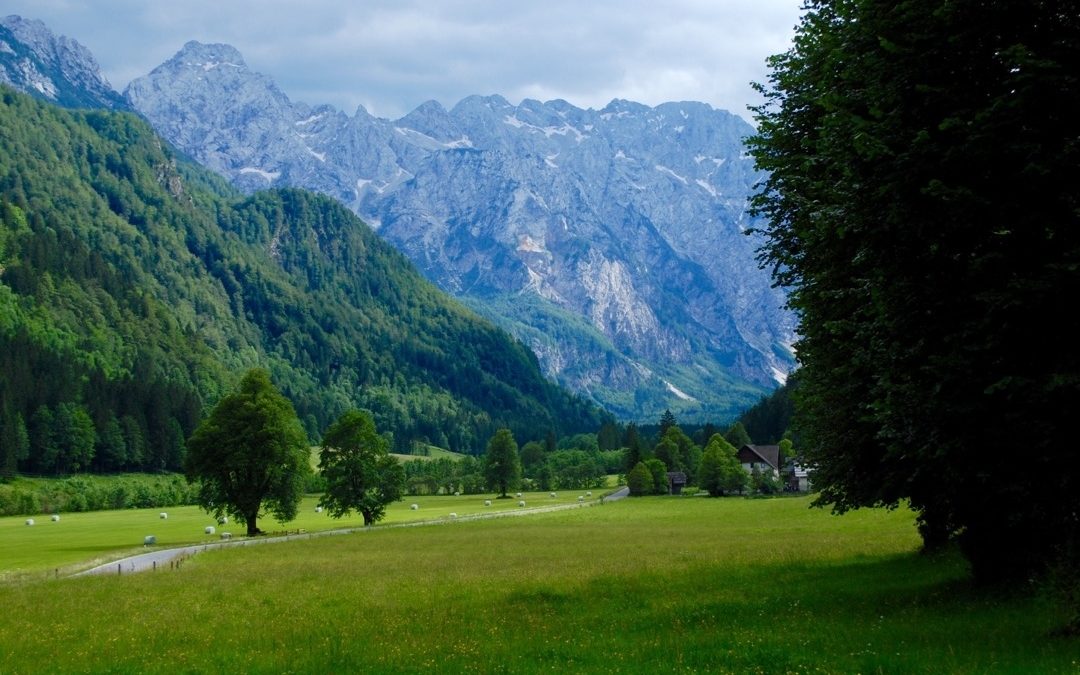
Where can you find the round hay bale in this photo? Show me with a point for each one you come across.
(553, 495)
(163, 515)
(414, 506)
(453, 515)
(457, 493)
(55, 518)
(149, 540)
(487, 502)
(29, 521)
(224, 520)
(588, 494)
(581, 498)
(226, 535)
(521, 503)
(518, 495)
(318, 509)
(209, 529)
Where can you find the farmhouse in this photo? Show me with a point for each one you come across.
(761, 457)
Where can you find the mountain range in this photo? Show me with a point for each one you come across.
(135, 286)
(612, 242)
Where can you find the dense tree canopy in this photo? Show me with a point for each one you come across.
(359, 471)
(922, 207)
(720, 472)
(249, 453)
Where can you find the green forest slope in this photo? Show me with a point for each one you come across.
(135, 288)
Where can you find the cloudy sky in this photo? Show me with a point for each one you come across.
(392, 56)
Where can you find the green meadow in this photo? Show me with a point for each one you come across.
(81, 540)
(640, 585)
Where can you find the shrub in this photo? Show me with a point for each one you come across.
(639, 480)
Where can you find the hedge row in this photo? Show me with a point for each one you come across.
(31, 496)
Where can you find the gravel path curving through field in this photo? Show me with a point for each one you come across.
(170, 557)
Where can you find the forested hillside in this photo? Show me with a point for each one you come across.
(134, 288)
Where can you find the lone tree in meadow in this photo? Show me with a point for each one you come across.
(502, 467)
(249, 453)
(360, 472)
(921, 205)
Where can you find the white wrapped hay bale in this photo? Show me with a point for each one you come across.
(149, 540)
(487, 502)
(55, 518)
(163, 515)
(29, 521)
(414, 507)
(318, 509)
(581, 498)
(453, 515)
(553, 495)
(521, 503)
(209, 529)
(226, 535)
(224, 520)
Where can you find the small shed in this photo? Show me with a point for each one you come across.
(676, 481)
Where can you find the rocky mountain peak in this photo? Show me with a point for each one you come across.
(610, 241)
(197, 54)
(55, 68)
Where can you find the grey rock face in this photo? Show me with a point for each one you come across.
(57, 69)
(611, 241)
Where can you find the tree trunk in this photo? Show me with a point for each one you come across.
(252, 527)
(368, 519)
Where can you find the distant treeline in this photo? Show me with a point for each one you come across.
(30, 496)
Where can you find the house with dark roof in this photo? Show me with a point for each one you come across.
(761, 457)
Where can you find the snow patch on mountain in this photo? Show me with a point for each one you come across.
(268, 176)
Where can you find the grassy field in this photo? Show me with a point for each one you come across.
(645, 585)
(81, 540)
(434, 452)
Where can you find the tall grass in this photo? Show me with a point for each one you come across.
(646, 585)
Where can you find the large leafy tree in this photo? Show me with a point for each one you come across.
(250, 453)
(360, 473)
(639, 480)
(922, 209)
(502, 467)
(720, 472)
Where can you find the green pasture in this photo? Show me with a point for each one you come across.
(635, 586)
(82, 540)
(434, 452)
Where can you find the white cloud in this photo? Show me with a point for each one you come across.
(392, 56)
